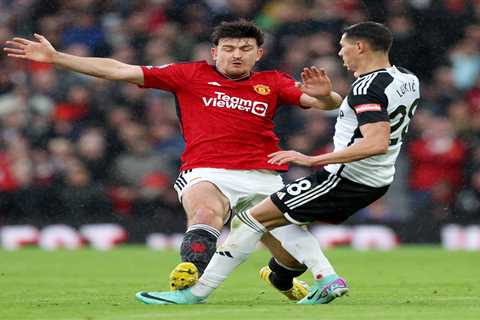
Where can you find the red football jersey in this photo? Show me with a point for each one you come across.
(226, 124)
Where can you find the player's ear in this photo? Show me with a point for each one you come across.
(213, 51)
(259, 54)
(361, 46)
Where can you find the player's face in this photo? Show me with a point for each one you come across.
(349, 52)
(235, 57)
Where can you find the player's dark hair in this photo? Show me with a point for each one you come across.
(237, 29)
(376, 34)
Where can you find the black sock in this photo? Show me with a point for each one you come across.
(281, 277)
(198, 247)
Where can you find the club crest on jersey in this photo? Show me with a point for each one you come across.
(262, 89)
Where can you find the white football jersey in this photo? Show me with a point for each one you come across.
(390, 95)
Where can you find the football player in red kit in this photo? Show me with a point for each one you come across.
(226, 115)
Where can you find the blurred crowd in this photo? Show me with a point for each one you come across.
(75, 149)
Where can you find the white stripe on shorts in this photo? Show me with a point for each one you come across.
(317, 192)
(305, 194)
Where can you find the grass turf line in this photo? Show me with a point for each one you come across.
(411, 282)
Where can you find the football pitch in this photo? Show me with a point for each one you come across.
(407, 283)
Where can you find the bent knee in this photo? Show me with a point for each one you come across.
(206, 216)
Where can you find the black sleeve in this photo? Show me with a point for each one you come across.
(368, 99)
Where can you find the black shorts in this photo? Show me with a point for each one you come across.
(325, 197)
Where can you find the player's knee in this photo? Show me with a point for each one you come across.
(206, 216)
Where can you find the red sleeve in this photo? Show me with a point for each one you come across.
(169, 77)
(288, 93)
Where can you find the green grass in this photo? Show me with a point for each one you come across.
(409, 283)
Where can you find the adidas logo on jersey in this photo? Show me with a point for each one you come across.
(214, 83)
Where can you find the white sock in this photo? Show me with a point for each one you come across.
(304, 247)
(241, 242)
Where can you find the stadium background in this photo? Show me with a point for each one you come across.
(78, 150)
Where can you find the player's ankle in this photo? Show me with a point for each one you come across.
(282, 276)
(282, 284)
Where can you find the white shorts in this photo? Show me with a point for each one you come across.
(246, 188)
(243, 188)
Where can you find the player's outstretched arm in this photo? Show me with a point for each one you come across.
(375, 141)
(317, 90)
(43, 51)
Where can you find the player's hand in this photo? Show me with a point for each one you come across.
(41, 50)
(282, 157)
(315, 82)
